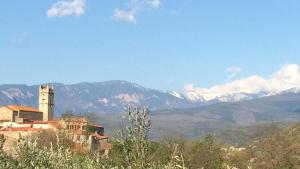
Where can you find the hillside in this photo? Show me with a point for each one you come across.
(198, 121)
(172, 112)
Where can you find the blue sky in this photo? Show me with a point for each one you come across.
(163, 46)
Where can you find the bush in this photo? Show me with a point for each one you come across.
(6, 161)
(206, 154)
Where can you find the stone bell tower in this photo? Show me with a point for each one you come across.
(46, 102)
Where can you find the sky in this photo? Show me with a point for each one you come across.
(160, 44)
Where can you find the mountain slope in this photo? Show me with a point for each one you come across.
(102, 97)
(198, 121)
(171, 111)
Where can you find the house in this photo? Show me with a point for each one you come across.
(86, 136)
(20, 113)
(16, 113)
(74, 123)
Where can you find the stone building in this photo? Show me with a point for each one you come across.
(86, 136)
(15, 113)
(46, 102)
(20, 121)
(20, 113)
(74, 123)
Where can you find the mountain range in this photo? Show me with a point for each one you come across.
(170, 111)
(284, 107)
(115, 96)
(101, 97)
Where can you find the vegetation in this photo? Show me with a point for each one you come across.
(272, 147)
(206, 153)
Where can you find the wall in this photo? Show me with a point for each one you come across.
(18, 134)
(43, 126)
(12, 124)
(46, 102)
(5, 113)
(73, 125)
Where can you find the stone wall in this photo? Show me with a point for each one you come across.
(6, 114)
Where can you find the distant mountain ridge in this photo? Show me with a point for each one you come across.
(170, 110)
(114, 97)
(100, 97)
(284, 107)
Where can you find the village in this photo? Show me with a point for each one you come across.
(149, 84)
(20, 121)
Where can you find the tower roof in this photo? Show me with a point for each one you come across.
(22, 108)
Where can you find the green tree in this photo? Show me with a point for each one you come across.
(132, 145)
(206, 153)
(280, 149)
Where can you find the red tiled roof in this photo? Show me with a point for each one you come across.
(22, 108)
(25, 122)
(40, 122)
(23, 129)
(52, 123)
(56, 125)
(44, 122)
(5, 120)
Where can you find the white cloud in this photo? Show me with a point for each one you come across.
(126, 16)
(134, 7)
(233, 71)
(288, 77)
(66, 8)
(154, 3)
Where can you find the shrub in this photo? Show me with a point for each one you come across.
(207, 154)
(6, 161)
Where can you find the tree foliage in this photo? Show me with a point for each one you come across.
(206, 153)
(276, 148)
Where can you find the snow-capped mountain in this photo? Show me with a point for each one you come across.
(115, 96)
(199, 121)
(287, 79)
(228, 97)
